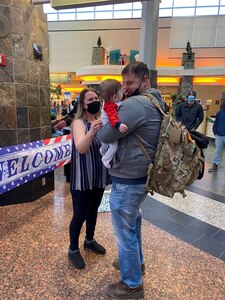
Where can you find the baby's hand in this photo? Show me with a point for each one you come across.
(123, 128)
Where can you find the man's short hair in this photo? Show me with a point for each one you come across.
(109, 88)
(138, 68)
(192, 93)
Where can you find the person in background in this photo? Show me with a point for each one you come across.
(58, 127)
(89, 176)
(219, 132)
(73, 108)
(111, 91)
(190, 112)
(128, 173)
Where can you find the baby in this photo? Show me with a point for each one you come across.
(111, 91)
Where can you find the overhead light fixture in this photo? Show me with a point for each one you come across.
(207, 79)
(100, 78)
(73, 89)
(167, 80)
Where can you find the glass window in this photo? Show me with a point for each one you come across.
(103, 15)
(137, 13)
(49, 9)
(103, 7)
(204, 11)
(166, 3)
(66, 17)
(85, 16)
(52, 17)
(122, 14)
(137, 5)
(124, 6)
(178, 3)
(165, 12)
(207, 2)
(66, 10)
(168, 8)
(177, 12)
(84, 9)
(222, 10)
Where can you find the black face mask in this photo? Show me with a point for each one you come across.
(93, 107)
(135, 93)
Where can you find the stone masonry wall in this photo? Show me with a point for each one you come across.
(24, 81)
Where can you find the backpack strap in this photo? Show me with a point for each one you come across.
(155, 102)
(150, 165)
(140, 144)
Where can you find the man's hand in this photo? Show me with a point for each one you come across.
(123, 128)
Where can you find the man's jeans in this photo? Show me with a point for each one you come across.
(220, 142)
(125, 202)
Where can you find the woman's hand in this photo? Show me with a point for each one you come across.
(95, 126)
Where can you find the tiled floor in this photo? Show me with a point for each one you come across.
(199, 218)
(183, 242)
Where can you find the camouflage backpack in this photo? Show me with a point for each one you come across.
(177, 161)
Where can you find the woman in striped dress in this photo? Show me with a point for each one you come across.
(89, 176)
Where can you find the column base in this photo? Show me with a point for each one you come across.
(29, 191)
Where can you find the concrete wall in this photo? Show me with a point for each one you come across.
(71, 42)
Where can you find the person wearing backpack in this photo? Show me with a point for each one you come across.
(219, 132)
(190, 113)
(128, 174)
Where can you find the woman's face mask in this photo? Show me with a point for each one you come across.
(93, 107)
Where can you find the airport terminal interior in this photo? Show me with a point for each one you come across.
(183, 243)
(58, 49)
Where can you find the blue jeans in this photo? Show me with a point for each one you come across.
(220, 142)
(125, 202)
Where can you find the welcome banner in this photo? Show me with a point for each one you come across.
(22, 163)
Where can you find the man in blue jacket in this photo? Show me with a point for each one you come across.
(128, 174)
(190, 113)
(219, 132)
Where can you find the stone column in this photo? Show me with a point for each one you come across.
(185, 85)
(98, 56)
(24, 81)
(186, 82)
(24, 87)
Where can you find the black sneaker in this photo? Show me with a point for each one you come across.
(120, 290)
(76, 259)
(116, 266)
(94, 246)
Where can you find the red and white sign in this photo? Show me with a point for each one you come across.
(2, 60)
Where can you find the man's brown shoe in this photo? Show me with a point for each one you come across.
(121, 290)
(213, 168)
(116, 266)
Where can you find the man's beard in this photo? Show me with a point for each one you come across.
(135, 93)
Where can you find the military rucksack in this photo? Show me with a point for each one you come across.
(177, 162)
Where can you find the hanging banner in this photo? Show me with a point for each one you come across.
(22, 163)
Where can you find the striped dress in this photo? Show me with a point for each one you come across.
(87, 170)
